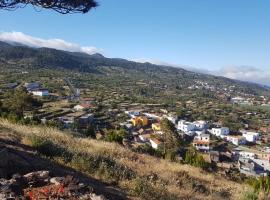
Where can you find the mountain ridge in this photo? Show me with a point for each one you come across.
(95, 63)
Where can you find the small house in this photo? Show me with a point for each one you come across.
(202, 142)
(155, 143)
(219, 132)
(40, 92)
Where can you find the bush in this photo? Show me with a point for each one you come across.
(260, 184)
(103, 166)
(146, 190)
(47, 148)
(250, 196)
(147, 149)
(90, 132)
(195, 159)
(116, 136)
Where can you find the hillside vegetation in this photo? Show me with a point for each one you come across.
(139, 176)
(34, 59)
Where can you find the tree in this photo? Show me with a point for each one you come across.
(90, 132)
(61, 6)
(19, 100)
(171, 139)
(193, 158)
(116, 136)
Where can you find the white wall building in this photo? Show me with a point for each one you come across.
(223, 131)
(202, 142)
(185, 126)
(251, 136)
(41, 92)
(155, 143)
(245, 154)
(200, 125)
(236, 140)
(133, 114)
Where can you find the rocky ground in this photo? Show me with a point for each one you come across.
(25, 175)
(39, 185)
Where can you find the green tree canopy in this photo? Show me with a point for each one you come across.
(18, 101)
(61, 6)
(171, 138)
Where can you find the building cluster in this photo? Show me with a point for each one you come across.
(36, 89)
(205, 136)
(146, 128)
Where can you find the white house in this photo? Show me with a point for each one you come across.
(202, 142)
(237, 100)
(236, 140)
(155, 143)
(245, 154)
(133, 114)
(40, 92)
(251, 136)
(263, 163)
(145, 137)
(186, 127)
(81, 107)
(220, 131)
(200, 125)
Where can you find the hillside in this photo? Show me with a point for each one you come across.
(136, 175)
(44, 58)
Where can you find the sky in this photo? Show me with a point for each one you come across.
(223, 37)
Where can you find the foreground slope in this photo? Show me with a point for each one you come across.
(139, 176)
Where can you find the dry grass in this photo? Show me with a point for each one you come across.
(183, 181)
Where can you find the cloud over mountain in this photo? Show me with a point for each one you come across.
(245, 73)
(59, 44)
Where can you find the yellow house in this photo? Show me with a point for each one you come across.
(135, 121)
(156, 127)
(140, 121)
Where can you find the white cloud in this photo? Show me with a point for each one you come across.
(59, 44)
(245, 73)
(158, 62)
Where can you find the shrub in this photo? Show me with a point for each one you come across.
(146, 190)
(147, 149)
(250, 196)
(260, 184)
(116, 136)
(47, 148)
(195, 159)
(103, 166)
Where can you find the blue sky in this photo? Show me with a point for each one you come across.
(221, 36)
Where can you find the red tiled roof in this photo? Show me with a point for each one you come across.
(200, 142)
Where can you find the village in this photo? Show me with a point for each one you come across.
(244, 150)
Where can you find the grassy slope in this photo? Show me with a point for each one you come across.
(179, 181)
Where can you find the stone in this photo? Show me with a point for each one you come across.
(57, 180)
(97, 197)
(38, 174)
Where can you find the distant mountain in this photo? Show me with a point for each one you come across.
(97, 63)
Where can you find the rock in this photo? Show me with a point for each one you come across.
(57, 180)
(97, 197)
(38, 174)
